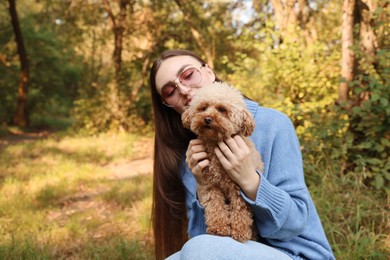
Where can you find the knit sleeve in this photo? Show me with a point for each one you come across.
(281, 205)
(196, 222)
(195, 211)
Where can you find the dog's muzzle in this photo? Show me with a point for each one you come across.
(208, 120)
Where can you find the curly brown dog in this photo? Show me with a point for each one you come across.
(217, 112)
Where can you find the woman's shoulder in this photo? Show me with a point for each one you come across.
(271, 124)
(267, 116)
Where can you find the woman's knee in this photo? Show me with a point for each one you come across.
(216, 247)
(211, 247)
(200, 247)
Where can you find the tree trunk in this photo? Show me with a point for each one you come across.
(118, 29)
(356, 12)
(21, 113)
(347, 55)
(279, 13)
(207, 47)
(306, 22)
(289, 16)
(139, 84)
(368, 43)
(286, 18)
(367, 37)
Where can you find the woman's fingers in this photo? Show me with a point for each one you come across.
(199, 156)
(196, 157)
(240, 142)
(222, 158)
(234, 156)
(200, 166)
(195, 142)
(226, 150)
(234, 148)
(232, 144)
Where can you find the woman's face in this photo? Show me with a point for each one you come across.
(178, 79)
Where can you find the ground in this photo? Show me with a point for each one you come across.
(87, 200)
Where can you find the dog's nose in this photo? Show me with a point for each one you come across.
(208, 120)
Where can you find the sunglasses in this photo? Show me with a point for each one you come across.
(170, 92)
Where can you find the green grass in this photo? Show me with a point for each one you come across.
(60, 200)
(127, 193)
(355, 217)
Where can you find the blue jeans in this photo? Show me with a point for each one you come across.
(205, 247)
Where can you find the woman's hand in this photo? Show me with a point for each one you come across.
(196, 159)
(235, 157)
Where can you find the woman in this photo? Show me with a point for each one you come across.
(285, 217)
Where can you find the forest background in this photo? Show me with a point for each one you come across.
(76, 73)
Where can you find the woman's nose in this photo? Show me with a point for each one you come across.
(184, 90)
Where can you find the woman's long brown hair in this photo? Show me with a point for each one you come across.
(169, 217)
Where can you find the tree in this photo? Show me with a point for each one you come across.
(290, 15)
(20, 118)
(205, 43)
(347, 54)
(209, 24)
(360, 14)
(118, 28)
(363, 92)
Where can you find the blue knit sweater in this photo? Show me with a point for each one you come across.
(284, 212)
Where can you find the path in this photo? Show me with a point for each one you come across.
(17, 136)
(119, 170)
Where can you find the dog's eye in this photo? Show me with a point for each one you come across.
(203, 108)
(221, 109)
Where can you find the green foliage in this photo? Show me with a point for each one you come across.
(73, 83)
(370, 122)
(91, 113)
(297, 78)
(302, 80)
(104, 104)
(105, 107)
(55, 69)
(345, 152)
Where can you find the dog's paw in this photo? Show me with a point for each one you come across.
(221, 230)
(241, 236)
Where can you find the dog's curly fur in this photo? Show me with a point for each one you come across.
(216, 113)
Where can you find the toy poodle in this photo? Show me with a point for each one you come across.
(217, 112)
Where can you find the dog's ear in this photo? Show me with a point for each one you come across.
(248, 123)
(185, 118)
